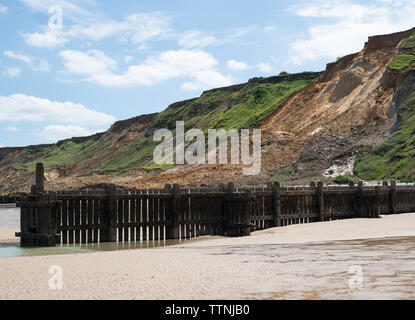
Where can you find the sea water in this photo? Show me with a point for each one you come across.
(10, 219)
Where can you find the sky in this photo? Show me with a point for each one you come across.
(73, 67)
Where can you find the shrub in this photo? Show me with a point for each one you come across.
(345, 179)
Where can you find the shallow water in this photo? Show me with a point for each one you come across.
(10, 218)
(8, 250)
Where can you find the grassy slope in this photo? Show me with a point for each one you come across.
(60, 156)
(405, 58)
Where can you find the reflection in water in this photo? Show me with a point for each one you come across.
(10, 218)
(8, 250)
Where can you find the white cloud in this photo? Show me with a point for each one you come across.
(2, 145)
(195, 64)
(128, 59)
(93, 62)
(193, 39)
(236, 33)
(3, 9)
(207, 79)
(55, 133)
(23, 108)
(138, 28)
(47, 39)
(12, 72)
(36, 64)
(12, 129)
(270, 28)
(334, 9)
(196, 39)
(17, 56)
(240, 66)
(347, 26)
(72, 9)
(264, 67)
(237, 65)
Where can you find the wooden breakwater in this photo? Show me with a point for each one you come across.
(7, 205)
(9, 200)
(118, 215)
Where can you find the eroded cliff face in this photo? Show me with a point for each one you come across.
(343, 115)
(315, 134)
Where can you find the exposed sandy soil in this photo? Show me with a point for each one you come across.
(268, 265)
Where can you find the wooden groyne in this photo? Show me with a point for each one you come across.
(117, 215)
(7, 205)
(9, 200)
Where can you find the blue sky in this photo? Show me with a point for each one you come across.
(112, 60)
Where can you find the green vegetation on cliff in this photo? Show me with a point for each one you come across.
(60, 156)
(405, 57)
(345, 179)
(236, 107)
(395, 158)
(402, 61)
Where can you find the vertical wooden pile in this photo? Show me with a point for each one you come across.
(239, 208)
(39, 216)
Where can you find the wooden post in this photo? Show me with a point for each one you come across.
(107, 230)
(277, 204)
(320, 201)
(112, 213)
(175, 232)
(393, 198)
(359, 200)
(378, 193)
(219, 228)
(39, 215)
(246, 215)
(54, 220)
(228, 210)
(313, 187)
(230, 188)
(40, 178)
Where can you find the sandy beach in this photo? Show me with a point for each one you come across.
(296, 262)
(8, 235)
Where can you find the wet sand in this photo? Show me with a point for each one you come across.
(296, 262)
